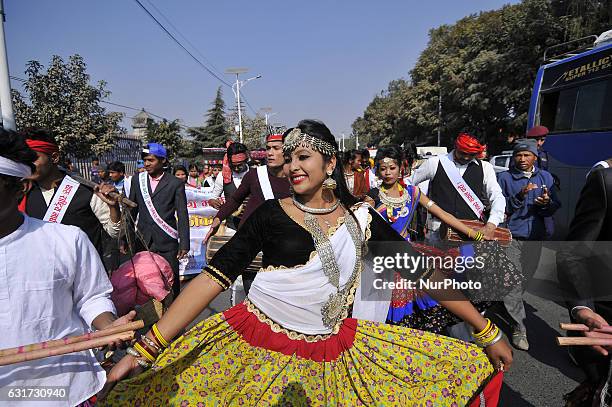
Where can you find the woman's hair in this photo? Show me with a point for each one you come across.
(410, 153)
(194, 166)
(14, 147)
(319, 130)
(180, 168)
(392, 151)
(350, 155)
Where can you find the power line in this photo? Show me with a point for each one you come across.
(181, 45)
(185, 38)
(184, 48)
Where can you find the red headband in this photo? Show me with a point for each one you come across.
(237, 158)
(274, 137)
(468, 144)
(44, 147)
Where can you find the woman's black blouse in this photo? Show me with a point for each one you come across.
(283, 242)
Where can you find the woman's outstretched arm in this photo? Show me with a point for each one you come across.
(444, 216)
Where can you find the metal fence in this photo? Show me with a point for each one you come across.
(127, 150)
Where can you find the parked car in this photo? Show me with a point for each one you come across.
(501, 162)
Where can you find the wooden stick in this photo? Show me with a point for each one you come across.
(583, 341)
(584, 328)
(132, 326)
(113, 195)
(64, 349)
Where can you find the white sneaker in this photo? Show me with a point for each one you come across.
(519, 340)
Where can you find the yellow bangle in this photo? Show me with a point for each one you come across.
(144, 352)
(484, 330)
(162, 341)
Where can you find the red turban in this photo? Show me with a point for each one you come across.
(274, 137)
(44, 147)
(468, 144)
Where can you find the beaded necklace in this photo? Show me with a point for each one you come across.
(392, 203)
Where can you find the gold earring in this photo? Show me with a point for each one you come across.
(329, 182)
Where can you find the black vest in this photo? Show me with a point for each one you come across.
(79, 212)
(443, 192)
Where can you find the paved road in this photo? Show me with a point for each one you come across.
(539, 377)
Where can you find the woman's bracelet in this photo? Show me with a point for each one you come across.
(484, 330)
(151, 343)
(139, 358)
(158, 336)
(138, 347)
(429, 204)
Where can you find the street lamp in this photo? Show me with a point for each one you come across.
(267, 113)
(239, 84)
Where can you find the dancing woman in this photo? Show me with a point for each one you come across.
(398, 205)
(292, 341)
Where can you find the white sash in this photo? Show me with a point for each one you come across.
(59, 204)
(264, 182)
(144, 190)
(462, 187)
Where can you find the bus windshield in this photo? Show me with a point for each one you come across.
(577, 95)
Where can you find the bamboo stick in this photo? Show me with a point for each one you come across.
(584, 328)
(132, 326)
(64, 349)
(583, 341)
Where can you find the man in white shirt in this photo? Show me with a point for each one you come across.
(448, 187)
(52, 285)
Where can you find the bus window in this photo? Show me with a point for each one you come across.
(590, 106)
(565, 109)
(586, 107)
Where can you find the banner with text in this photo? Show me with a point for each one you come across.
(200, 218)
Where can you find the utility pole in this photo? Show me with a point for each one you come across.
(439, 115)
(239, 84)
(6, 101)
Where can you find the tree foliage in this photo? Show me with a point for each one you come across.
(214, 132)
(254, 130)
(483, 67)
(62, 100)
(167, 134)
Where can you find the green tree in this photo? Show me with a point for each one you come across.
(483, 67)
(254, 131)
(167, 134)
(62, 100)
(214, 132)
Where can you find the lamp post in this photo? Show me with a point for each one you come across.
(6, 101)
(267, 113)
(239, 84)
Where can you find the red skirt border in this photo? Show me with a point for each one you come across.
(260, 334)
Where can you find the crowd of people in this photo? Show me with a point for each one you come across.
(311, 329)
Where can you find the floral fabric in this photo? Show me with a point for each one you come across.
(214, 365)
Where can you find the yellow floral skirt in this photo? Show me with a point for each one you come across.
(234, 359)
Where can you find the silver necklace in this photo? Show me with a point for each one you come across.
(333, 309)
(315, 211)
(391, 201)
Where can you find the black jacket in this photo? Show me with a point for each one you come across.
(584, 263)
(171, 203)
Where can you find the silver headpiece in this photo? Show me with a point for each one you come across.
(296, 139)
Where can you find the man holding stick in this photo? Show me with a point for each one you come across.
(57, 197)
(52, 285)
